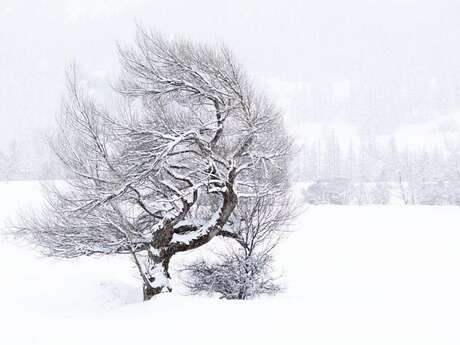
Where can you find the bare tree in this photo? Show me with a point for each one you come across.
(165, 173)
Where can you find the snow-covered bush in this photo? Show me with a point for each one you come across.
(379, 194)
(360, 195)
(334, 191)
(234, 276)
(436, 193)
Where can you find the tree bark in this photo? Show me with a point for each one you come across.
(157, 280)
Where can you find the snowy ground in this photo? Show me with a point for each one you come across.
(354, 275)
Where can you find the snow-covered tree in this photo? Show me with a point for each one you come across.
(379, 193)
(11, 164)
(165, 173)
(350, 163)
(392, 161)
(333, 159)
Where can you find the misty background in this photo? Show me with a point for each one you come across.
(355, 78)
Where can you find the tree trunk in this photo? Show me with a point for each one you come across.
(157, 280)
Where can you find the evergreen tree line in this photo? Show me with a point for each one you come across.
(380, 171)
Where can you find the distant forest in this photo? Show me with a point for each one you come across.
(428, 174)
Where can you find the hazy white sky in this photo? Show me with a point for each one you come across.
(297, 40)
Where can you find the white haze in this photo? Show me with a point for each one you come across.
(380, 63)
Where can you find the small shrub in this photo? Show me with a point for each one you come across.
(234, 276)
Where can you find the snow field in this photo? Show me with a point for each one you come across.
(352, 274)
